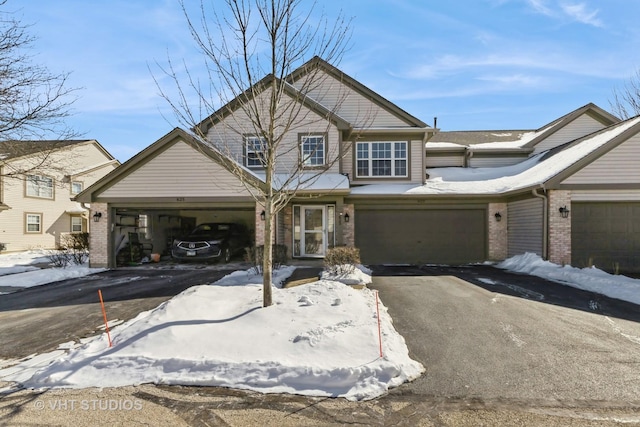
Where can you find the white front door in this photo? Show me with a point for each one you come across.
(313, 240)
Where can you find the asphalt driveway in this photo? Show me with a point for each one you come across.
(488, 334)
(38, 319)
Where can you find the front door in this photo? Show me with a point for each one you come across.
(312, 238)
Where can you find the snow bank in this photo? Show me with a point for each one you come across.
(589, 279)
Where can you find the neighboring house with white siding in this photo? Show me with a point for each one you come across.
(38, 179)
(402, 192)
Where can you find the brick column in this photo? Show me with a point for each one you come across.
(348, 228)
(559, 228)
(99, 236)
(497, 230)
(259, 223)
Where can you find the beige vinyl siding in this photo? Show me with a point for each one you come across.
(444, 161)
(417, 173)
(494, 162)
(350, 105)
(583, 125)
(179, 171)
(605, 195)
(525, 226)
(56, 213)
(618, 166)
(229, 135)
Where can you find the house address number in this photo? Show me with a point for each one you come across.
(179, 199)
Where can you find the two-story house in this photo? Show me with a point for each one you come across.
(38, 179)
(401, 191)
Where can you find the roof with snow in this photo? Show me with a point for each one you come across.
(531, 173)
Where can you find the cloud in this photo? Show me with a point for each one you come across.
(579, 12)
(575, 12)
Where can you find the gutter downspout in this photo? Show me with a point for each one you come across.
(545, 222)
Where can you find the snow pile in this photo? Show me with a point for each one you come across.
(16, 270)
(589, 279)
(318, 339)
(359, 275)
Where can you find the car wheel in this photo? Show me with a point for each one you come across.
(227, 255)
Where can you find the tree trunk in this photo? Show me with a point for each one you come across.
(267, 255)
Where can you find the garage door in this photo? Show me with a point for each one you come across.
(420, 236)
(606, 235)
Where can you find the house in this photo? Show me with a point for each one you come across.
(37, 181)
(403, 192)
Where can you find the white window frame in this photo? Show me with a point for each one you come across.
(77, 183)
(309, 155)
(39, 186)
(30, 216)
(76, 218)
(392, 159)
(252, 157)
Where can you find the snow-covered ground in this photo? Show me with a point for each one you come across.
(319, 339)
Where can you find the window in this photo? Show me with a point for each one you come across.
(374, 159)
(77, 187)
(33, 223)
(40, 186)
(255, 148)
(312, 150)
(76, 224)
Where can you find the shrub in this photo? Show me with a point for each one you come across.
(3, 246)
(73, 248)
(342, 259)
(255, 255)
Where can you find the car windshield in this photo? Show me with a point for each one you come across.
(211, 230)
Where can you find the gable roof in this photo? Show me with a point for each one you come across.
(264, 84)
(12, 150)
(317, 62)
(510, 139)
(174, 136)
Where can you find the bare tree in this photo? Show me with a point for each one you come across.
(626, 100)
(34, 102)
(250, 50)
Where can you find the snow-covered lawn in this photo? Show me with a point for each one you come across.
(16, 270)
(319, 339)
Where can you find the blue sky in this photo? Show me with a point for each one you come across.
(475, 64)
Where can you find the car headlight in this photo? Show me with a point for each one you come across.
(215, 242)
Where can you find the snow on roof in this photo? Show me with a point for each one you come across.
(309, 181)
(534, 171)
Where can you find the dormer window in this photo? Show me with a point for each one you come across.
(381, 159)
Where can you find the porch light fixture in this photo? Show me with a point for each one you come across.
(97, 216)
(262, 215)
(564, 212)
(346, 217)
(498, 216)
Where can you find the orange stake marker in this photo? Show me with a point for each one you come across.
(379, 332)
(104, 314)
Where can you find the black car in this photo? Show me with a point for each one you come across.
(211, 241)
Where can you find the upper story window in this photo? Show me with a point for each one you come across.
(39, 186)
(255, 148)
(312, 150)
(381, 159)
(77, 187)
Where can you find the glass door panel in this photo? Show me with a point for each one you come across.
(313, 238)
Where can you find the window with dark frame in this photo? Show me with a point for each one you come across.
(381, 159)
(255, 148)
(312, 150)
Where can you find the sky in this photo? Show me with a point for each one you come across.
(474, 64)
